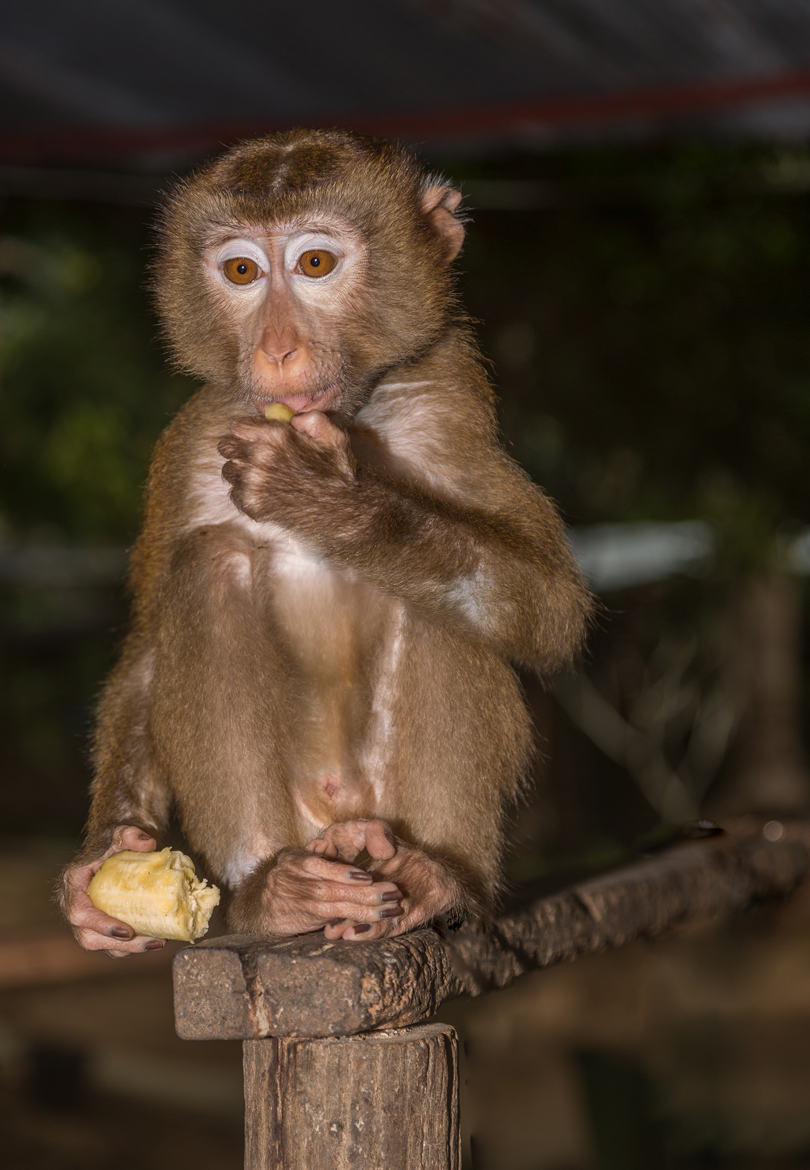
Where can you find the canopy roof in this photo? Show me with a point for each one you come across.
(151, 80)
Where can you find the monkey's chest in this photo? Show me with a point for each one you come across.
(340, 641)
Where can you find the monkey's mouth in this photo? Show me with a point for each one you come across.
(299, 403)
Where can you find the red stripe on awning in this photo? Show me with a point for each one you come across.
(100, 141)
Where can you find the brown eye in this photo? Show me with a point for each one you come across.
(316, 262)
(241, 270)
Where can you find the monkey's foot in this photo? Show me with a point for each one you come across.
(346, 840)
(428, 890)
(298, 891)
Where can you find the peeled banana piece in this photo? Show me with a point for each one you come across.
(156, 893)
(278, 412)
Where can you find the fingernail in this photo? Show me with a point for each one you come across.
(357, 875)
(391, 912)
(155, 945)
(391, 896)
(361, 927)
(121, 932)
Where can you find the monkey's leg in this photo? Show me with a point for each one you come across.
(462, 748)
(220, 716)
(224, 718)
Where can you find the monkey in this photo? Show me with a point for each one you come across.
(320, 677)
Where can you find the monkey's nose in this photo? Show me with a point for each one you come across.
(279, 354)
(279, 347)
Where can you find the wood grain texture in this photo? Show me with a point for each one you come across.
(388, 1100)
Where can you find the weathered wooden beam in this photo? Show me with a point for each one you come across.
(240, 988)
(236, 988)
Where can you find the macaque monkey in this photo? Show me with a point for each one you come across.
(319, 679)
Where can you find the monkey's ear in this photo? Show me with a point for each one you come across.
(439, 203)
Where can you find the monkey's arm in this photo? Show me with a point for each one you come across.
(129, 807)
(498, 566)
(128, 786)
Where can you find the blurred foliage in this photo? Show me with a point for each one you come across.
(645, 312)
(84, 386)
(648, 323)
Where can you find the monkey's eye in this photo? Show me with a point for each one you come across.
(241, 270)
(316, 262)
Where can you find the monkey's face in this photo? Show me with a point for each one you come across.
(283, 297)
(300, 268)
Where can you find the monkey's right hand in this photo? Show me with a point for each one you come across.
(92, 928)
(297, 892)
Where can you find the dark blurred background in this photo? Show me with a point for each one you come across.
(638, 258)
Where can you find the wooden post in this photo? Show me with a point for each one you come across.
(342, 1071)
(383, 1101)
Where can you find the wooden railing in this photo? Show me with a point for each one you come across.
(342, 1068)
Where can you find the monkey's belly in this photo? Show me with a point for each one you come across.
(334, 723)
(343, 643)
(336, 741)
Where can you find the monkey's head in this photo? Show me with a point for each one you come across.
(300, 267)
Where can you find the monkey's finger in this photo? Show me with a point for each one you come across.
(380, 840)
(411, 919)
(86, 919)
(347, 928)
(376, 896)
(322, 847)
(239, 451)
(314, 865)
(335, 928)
(373, 896)
(130, 837)
(231, 448)
(91, 940)
(350, 838)
(329, 911)
(233, 472)
(77, 877)
(250, 425)
(369, 931)
(320, 429)
(327, 845)
(254, 430)
(230, 471)
(387, 927)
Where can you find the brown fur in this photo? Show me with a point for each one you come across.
(338, 644)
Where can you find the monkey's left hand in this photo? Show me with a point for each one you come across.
(428, 887)
(281, 472)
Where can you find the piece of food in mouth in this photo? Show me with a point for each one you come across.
(278, 412)
(155, 893)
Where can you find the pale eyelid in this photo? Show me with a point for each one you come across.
(313, 242)
(238, 248)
